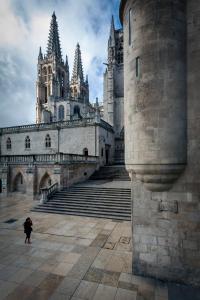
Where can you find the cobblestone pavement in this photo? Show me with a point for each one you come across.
(71, 258)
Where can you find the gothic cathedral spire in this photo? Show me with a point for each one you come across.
(78, 68)
(53, 46)
(79, 87)
(112, 33)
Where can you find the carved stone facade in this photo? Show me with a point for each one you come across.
(113, 99)
(161, 59)
(58, 99)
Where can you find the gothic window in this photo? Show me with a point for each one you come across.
(129, 27)
(48, 141)
(85, 151)
(8, 144)
(27, 142)
(61, 113)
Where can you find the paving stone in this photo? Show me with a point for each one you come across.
(110, 278)
(35, 278)
(62, 269)
(105, 292)
(127, 285)
(125, 294)
(51, 282)
(86, 290)
(94, 275)
(21, 292)
(67, 287)
(21, 275)
(100, 240)
(6, 288)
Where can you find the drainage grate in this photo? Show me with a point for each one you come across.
(10, 221)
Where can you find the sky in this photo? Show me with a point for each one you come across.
(24, 26)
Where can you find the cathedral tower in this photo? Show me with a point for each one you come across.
(114, 89)
(53, 77)
(79, 87)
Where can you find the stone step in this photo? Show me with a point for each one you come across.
(91, 203)
(103, 189)
(85, 207)
(94, 194)
(93, 199)
(111, 203)
(123, 217)
(75, 213)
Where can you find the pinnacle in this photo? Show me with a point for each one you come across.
(78, 68)
(53, 46)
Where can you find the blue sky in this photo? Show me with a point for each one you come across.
(24, 26)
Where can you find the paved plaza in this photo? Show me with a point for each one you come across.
(71, 257)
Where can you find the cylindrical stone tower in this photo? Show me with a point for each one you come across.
(155, 90)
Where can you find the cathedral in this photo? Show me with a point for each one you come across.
(72, 137)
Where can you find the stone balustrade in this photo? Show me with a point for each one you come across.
(48, 158)
(55, 126)
(47, 192)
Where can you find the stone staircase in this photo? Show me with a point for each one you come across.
(114, 172)
(90, 201)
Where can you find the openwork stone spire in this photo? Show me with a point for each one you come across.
(78, 68)
(53, 47)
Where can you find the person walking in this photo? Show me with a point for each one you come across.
(27, 229)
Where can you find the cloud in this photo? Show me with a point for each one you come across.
(24, 26)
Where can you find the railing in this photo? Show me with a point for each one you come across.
(48, 158)
(47, 192)
(49, 126)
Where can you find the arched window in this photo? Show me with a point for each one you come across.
(61, 113)
(8, 143)
(85, 151)
(48, 141)
(27, 143)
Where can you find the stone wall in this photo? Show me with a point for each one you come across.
(29, 179)
(162, 136)
(71, 140)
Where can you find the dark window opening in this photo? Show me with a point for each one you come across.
(8, 144)
(0, 186)
(102, 152)
(48, 141)
(61, 113)
(27, 143)
(85, 152)
(137, 66)
(45, 94)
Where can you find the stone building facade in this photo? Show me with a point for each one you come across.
(162, 109)
(58, 98)
(69, 140)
